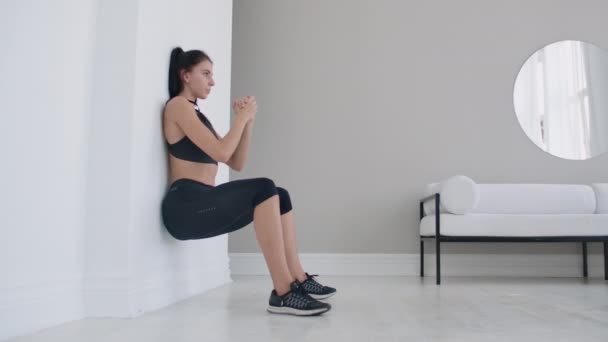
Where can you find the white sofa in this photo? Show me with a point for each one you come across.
(459, 210)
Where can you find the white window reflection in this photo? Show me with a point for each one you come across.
(561, 99)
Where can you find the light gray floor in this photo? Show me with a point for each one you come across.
(373, 309)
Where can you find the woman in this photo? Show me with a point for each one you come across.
(194, 208)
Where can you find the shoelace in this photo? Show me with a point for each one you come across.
(298, 298)
(312, 282)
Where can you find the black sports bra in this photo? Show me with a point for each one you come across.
(187, 150)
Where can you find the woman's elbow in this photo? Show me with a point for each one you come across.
(222, 157)
(237, 167)
(234, 164)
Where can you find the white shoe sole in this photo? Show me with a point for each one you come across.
(296, 312)
(317, 297)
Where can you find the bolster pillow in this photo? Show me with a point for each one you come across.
(601, 197)
(459, 195)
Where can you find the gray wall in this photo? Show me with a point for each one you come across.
(361, 103)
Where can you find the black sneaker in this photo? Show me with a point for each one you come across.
(296, 302)
(316, 290)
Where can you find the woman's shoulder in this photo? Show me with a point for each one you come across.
(177, 104)
(176, 101)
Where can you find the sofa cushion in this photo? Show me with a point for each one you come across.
(517, 225)
(535, 199)
(601, 197)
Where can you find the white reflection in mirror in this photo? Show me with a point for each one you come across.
(561, 99)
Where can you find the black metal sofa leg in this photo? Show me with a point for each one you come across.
(421, 258)
(605, 260)
(585, 273)
(438, 261)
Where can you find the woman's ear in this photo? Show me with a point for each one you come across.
(185, 76)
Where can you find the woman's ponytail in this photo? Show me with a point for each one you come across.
(175, 82)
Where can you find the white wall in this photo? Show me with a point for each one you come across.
(45, 95)
(371, 100)
(81, 214)
(107, 266)
(166, 269)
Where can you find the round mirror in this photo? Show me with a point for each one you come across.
(561, 99)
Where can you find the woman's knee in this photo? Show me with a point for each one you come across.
(284, 200)
(265, 190)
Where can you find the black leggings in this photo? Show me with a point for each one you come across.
(193, 210)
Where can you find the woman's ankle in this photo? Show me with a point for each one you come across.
(283, 289)
(301, 277)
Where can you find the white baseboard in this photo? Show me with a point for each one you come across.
(117, 297)
(34, 307)
(30, 308)
(504, 265)
(157, 292)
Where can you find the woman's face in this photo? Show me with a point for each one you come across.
(200, 79)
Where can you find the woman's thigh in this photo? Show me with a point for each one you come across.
(193, 213)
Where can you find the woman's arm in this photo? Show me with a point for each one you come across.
(238, 158)
(219, 149)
